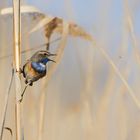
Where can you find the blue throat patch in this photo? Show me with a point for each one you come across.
(44, 61)
(39, 67)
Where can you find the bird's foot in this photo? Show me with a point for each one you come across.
(31, 84)
(20, 70)
(21, 99)
(26, 82)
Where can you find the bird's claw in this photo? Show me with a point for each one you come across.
(20, 70)
(21, 99)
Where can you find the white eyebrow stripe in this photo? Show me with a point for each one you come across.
(42, 52)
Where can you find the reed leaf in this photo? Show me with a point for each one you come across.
(55, 25)
(24, 9)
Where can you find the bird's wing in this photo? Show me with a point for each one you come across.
(26, 68)
(23, 69)
(39, 67)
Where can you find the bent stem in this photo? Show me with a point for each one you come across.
(49, 75)
(117, 71)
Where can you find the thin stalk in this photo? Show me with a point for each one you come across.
(5, 107)
(17, 59)
(131, 30)
(51, 70)
(30, 49)
(117, 71)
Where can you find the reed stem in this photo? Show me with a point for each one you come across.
(51, 70)
(16, 62)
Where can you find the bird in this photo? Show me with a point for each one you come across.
(35, 67)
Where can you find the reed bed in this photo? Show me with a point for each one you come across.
(92, 91)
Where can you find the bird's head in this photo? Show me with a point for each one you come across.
(42, 56)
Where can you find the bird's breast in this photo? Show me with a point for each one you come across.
(33, 71)
(29, 71)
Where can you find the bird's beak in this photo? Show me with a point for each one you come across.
(51, 60)
(50, 54)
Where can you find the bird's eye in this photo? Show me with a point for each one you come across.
(45, 53)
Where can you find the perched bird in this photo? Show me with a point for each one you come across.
(35, 68)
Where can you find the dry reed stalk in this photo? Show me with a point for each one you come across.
(108, 90)
(131, 30)
(74, 29)
(106, 97)
(124, 45)
(111, 79)
(110, 86)
(88, 121)
(86, 113)
(5, 107)
(24, 9)
(6, 98)
(106, 102)
(29, 49)
(42, 23)
(117, 71)
(48, 77)
(16, 61)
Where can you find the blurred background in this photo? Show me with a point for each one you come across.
(85, 98)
